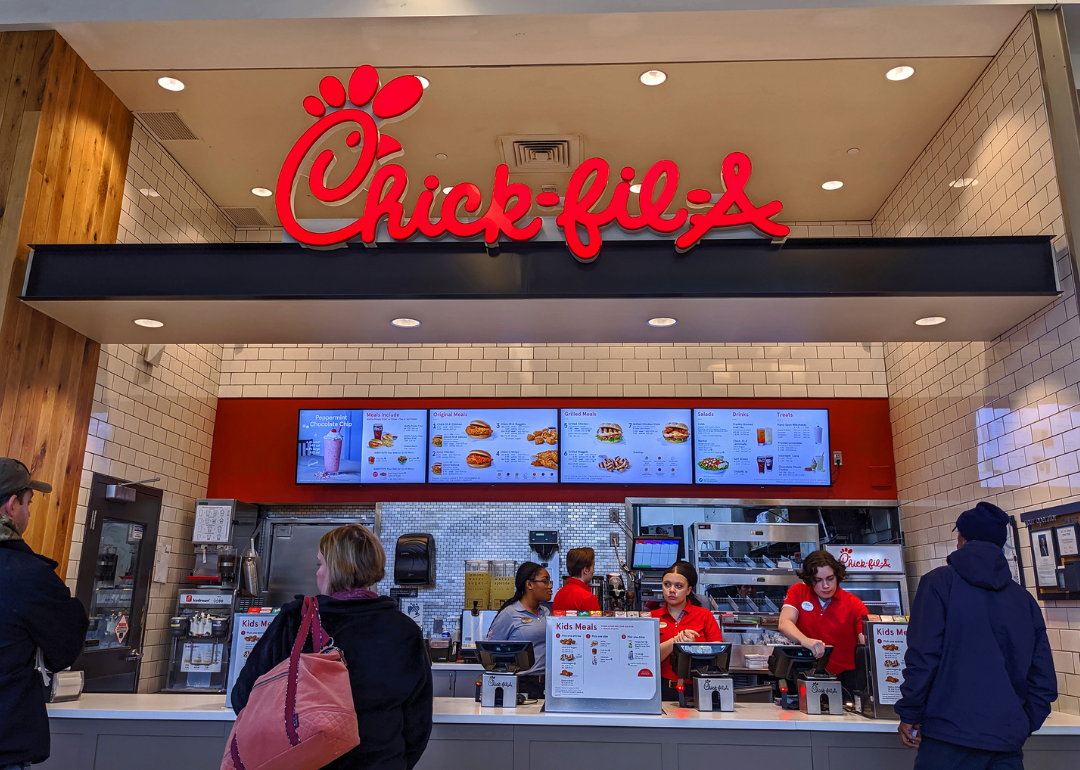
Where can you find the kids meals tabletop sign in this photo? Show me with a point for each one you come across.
(364, 106)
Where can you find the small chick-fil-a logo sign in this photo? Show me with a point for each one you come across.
(851, 561)
(364, 106)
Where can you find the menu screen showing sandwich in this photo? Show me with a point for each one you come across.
(762, 446)
(626, 446)
(493, 446)
(358, 446)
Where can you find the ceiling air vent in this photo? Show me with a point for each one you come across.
(166, 126)
(246, 216)
(539, 153)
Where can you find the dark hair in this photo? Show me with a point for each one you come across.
(578, 559)
(686, 569)
(812, 563)
(526, 572)
(16, 493)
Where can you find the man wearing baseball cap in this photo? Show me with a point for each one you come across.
(36, 612)
(979, 676)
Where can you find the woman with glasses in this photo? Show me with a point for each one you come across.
(524, 619)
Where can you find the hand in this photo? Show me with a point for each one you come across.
(686, 635)
(815, 646)
(907, 738)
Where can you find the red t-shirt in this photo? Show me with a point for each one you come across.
(575, 596)
(839, 624)
(694, 618)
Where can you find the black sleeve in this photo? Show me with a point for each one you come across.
(1042, 678)
(417, 710)
(274, 647)
(55, 620)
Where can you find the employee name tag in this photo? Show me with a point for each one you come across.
(663, 624)
(526, 620)
(808, 607)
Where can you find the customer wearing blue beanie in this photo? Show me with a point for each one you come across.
(979, 676)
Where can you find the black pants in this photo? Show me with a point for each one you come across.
(531, 686)
(847, 681)
(939, 755)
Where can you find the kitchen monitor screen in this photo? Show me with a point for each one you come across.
(361, 446)
(788, 447)
(655, 552)
(493, 446)
(626, 446)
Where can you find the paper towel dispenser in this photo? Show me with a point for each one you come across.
(414, 559)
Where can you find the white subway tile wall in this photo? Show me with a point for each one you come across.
(994, 420)
(157, 420)
(848, 370)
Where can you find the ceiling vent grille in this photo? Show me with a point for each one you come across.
(540, 153)
(166, 126)
(246, 216)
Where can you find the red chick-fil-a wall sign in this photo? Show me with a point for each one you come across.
(364, 105)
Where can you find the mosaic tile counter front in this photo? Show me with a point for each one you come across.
(483, 531)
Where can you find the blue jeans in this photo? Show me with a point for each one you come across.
(939, 755)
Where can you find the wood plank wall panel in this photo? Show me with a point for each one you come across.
(73, 189)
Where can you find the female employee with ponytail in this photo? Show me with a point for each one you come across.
(682, 619)
(524, 619)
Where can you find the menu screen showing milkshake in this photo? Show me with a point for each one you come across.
(762, 446)
(493, 446)
(626, 446)
(356, 446)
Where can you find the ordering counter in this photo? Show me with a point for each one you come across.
(188, 732)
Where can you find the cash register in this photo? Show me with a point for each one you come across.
(706, 665)
(502, 662)
(804, 682)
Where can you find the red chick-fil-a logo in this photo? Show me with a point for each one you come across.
(848, 559)
(363, 106)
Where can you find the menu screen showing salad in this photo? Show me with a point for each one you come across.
(626, 446)
(395, 446)
(762, 446)
(493, 446)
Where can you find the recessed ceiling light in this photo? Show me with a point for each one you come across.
(653, 77)
(660, 322)
(423, 81)
(835, 184)
(931, 320)
(405, 323)
(964, 181)
(148, 323)
(149, 192)
(446, 190)
(853, 151)
(262, 192)
(171, 84)
(635, 188)
(900, 73)
(440, 156)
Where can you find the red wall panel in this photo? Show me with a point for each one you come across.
(254, 454)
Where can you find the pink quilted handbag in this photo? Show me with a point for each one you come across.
(300, 714)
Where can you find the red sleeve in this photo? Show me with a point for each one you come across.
(795, 595)
(858, 611)
(592, 603)
(712, 629)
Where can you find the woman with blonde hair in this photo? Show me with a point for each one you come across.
(389, 668)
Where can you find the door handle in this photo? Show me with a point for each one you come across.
(135, 655)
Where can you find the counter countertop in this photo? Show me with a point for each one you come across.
(749, 716)
(456, 667)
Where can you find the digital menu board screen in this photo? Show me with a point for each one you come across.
(493, 446)
(762, 446)
(626, 446)
(361, 446)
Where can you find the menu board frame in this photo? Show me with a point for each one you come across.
(826, 454)
(545, 446)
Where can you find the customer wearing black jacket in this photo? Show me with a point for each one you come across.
(389, 668)
(980, 677)
(36, 611)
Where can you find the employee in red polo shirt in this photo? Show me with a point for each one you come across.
(682, 619)
(817, 612)
(576, 596)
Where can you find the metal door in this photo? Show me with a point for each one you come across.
(114, 583)
(294, 552)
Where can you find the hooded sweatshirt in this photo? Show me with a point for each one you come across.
(979, 672)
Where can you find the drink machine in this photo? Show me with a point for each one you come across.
(201, 628)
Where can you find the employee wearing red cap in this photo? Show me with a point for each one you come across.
(576, 596)
(682, 619)
(817, 613)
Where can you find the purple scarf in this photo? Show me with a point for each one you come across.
(354, 593)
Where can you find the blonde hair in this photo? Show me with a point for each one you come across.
(354, 558)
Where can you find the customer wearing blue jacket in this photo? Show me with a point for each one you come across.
(979, 677)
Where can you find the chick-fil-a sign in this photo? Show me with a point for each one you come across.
(869, 558)
(363, 107)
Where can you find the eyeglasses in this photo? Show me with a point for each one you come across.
(545, 581)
